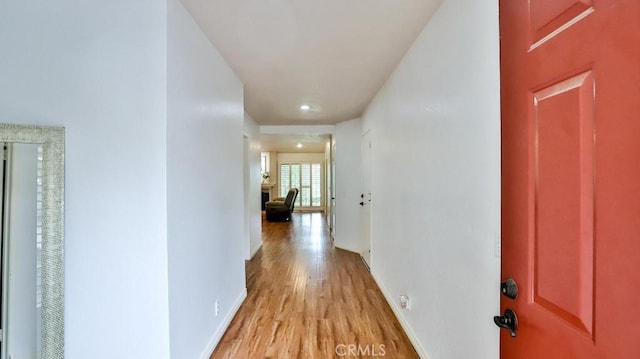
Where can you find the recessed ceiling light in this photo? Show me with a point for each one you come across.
(299, 145)
(305, 107)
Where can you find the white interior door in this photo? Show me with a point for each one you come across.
(327, 191)
(332, 192)
(365, 198)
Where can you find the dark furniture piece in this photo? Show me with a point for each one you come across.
(280, 209)
(264, 199)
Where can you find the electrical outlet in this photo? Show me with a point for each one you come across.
(404, 302)
(217, 307)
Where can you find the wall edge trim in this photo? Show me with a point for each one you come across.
(255, 250)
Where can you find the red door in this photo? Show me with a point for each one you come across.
(571, 177)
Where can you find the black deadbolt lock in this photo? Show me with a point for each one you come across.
(509, 288)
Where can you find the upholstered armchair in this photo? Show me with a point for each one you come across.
(280, 209)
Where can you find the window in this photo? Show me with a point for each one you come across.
(264, 165)
(307, 178)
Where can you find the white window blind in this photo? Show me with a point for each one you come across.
(285, 179)
(305, 188)
(316, 193)
(295, 180)
(306, 177)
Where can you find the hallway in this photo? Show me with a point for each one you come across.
(307, 299)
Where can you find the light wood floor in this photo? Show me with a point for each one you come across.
(305, 298)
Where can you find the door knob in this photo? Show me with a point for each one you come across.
(509, 288)
(508, 321)
(362, 203)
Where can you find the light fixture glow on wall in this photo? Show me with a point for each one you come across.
(305, 107)
(299, 145)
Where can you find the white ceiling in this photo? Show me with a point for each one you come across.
(331, 54)
(287, 143)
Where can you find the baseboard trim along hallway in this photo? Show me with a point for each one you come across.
(215, 339)
(401, 318)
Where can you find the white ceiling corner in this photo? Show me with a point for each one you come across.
(331, 54)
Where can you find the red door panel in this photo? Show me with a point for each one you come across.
(570, 73)
(550, 16)
(563, 239)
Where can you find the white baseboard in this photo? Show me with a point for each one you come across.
(357, 251)
(211, 346)
(398, 312)
(255, 250)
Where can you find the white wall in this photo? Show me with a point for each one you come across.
(205, 189)
(347, 138)
(284, 157)
(297, 130)
(436, 183)
(252, 131)
(99, 69)
(273, 176)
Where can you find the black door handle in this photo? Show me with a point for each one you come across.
(362, 203)
(508, 321)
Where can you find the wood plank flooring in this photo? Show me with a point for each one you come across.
(306, 299)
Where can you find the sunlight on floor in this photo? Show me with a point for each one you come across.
(314, 227)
